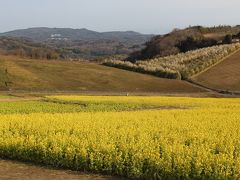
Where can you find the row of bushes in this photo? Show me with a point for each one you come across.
(180, 66)
(156, 71)
(183, 40)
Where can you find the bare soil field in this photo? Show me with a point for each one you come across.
(11, 170)
(223, 76)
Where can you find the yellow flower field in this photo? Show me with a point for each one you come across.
(197, 138)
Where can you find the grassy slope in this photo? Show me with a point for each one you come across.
(81, 76)
(223, 76)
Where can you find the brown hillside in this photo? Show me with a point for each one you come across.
(36, 75)
(183, 40)
(223, 76)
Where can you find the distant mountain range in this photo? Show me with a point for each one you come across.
(67, 43)
(83, 43)
(45, 34)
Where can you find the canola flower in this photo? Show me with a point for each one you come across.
(198, 140)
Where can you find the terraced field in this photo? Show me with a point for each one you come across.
(180, 66)
(223, 76)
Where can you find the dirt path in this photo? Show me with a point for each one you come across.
(218, 92)
(10, 170)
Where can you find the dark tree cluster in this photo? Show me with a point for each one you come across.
(191, 44)
(25, 48)
(184, 40)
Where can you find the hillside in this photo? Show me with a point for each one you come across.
(26, 48)
(224, 76)
(183, 40)
(35, 75)
(44, 34)
(180, 66)
(83, 43)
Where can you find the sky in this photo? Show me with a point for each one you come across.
(145, 16)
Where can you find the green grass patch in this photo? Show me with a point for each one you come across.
(28, 107)
(5, 96)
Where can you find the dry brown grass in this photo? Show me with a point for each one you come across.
(224, 76)
(43, 75)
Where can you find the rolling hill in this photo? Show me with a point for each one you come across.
(36, 75)
(224, 76)
(183, 40)
(83, 43)
(26, 48)
(181, 66)
(44, 34)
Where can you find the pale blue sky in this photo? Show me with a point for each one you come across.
(146, 16)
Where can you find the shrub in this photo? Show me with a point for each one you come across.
(180, 66)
